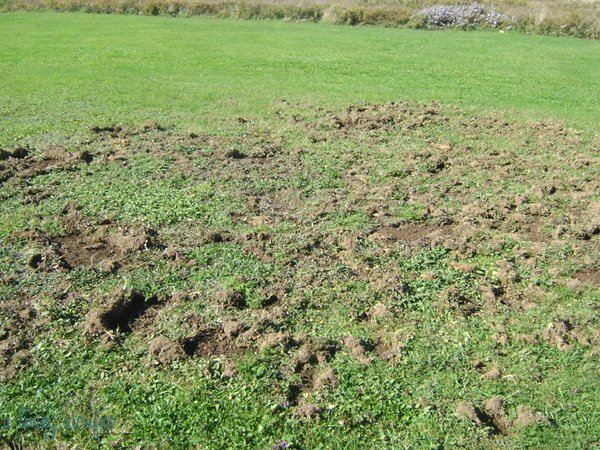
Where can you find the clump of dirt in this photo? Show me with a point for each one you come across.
(385, 117)
(563, 334)
(377, 312)
(507, 272)
(454, 298)
(152, 125)
(277, 339)
(493, 415)
(234, 153)
(16, 153)
(312, 354)
(411, 232)
(307, 409)
(391, 348)
(164, 350)
(44, 257)
(526, 416)
(210, 342)
(493, 374)
(327, 378)
(20, 325)
(57, 157)
(119, 312)
(589, 276)
(24, 164)
(474, 414)
(359, 348)
(464, 267)
(233, 327)
(230, 297)
(18, 360)
(88, 244)
(101, 246)
(501, 338)
(494, 410)
(264, 332)
(313, 351)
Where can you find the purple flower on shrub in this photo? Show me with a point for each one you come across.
(447, 16)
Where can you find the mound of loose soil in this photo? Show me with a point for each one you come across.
(117, 312)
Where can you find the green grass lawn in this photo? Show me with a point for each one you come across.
(67, 71)
(248, 271)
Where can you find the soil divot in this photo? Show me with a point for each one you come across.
(89, 244)
(231, 298)
(359, 348)
(560, 333)
(372, 117)
(589, 276)
(410, 233)
(119, 313)
(492, 415)
(211, 342)
(165, 350)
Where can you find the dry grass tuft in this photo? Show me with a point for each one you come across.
(579, 18)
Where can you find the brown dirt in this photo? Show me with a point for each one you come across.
(383, 117)
(231, 298)
(89, 243)
(359, 348)
(493, 374)
(589, 276)
(411, 232)
(23, 164)
(378, 311)
(526, 416)
(164, 350)
(307, 410)
(475, 415)
(276, 339)
(118, 312)
(492, 415)
(312, 352)
(494, 409)
(233, 327)
(391, 347)
(561, 333)
(21, 326)
(327, 378)
(453, 298)
(211, 342)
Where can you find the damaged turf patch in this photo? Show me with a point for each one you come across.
(211, 342)
(118, 313)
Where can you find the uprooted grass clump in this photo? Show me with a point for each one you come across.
(370, 275)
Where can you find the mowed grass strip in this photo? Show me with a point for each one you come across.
(62, 72)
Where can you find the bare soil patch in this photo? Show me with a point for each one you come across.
(591, 276)
(411, 232)
(211, 342)
(118, 312)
